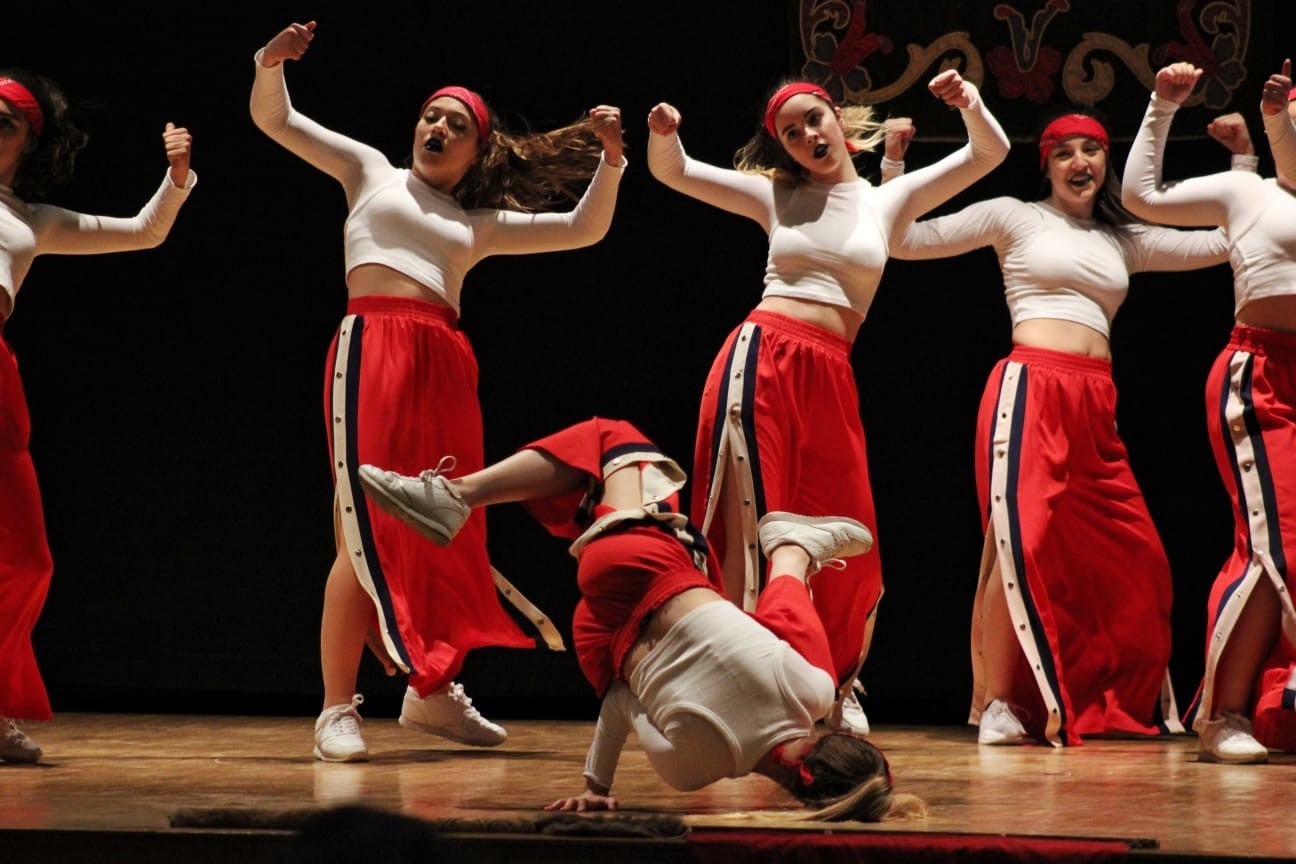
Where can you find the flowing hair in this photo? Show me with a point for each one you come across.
(764, 154)
(50, 163)
(531, 171)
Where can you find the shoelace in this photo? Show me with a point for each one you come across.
(346, 721)
(458, 696)
(445, 466)
(10, 732)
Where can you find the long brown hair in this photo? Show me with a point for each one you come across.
(849, 778)
(531, 171)
(49, 164)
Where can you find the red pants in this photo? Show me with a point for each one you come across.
(400, 393)
(1085, 577)
(1251, 417)
(624, 575)
(25, 564)
(781, 410)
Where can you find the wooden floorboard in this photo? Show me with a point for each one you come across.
(130, 773)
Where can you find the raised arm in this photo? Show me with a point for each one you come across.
(338, 156)
(507, 232)
(750, 195)
(980, 224)
(1158, 248)
(1275, 108)
(1196, 201)
(66, 232)
(921, 190)
(616, 717)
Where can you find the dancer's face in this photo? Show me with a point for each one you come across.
(445, 143)
(1077, 168)
(16, 140)
(810, 131)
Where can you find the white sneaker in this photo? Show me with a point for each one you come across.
(822, 537)
(337, 733)
(1228, 738)
(848, 716)
(449, 713)
(999, 725)
(427, 503)
(15, 746)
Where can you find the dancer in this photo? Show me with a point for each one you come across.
(399, 361)
(1244, 705)
(1082, 646)
(38, 146)
(779, 425)
(710, 691)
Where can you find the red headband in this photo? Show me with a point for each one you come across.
(1071, 126)
(24, 101)
(786, 92)
(473, 103)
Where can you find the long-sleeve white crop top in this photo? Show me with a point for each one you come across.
(397, 220)
(829, 242)
(28, 230)
(717, 693)
(1258, 215)
(1058, 266)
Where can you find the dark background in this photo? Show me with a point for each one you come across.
(176, 393)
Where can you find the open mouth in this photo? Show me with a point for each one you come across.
(1080, 181)
(820, 151)
(435, 145)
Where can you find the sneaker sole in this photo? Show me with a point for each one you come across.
(394, 506)
(352, 757)
(783, 516)
(448, 734)
(25, 757)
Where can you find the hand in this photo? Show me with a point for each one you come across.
(179, 144)
(587, 801)
(663, 119)
(899, 132)
(1176, 81)
(1231, 131)
(1274, 97)
(290, 44)
(376, 646)
(951, 89)
(607, 126)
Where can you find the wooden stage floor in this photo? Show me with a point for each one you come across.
(117, 772)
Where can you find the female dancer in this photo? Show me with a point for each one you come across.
(1245, 704)
(38, 145)
(779, 427)
(410, 237)
(710, 691)
(1071, 622)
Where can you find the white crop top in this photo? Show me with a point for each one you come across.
(829, 242)
(716, 694)
(1057, 266)
(399, 221)
(1258, 215)
(28, 230)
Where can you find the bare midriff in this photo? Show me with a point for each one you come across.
(1271, 313)
(1055, 334)
(838, 320)
(379, 280)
